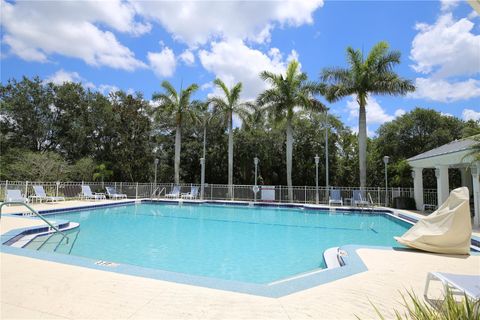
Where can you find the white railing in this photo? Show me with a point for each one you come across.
(134, 190)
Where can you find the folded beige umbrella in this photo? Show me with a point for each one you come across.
(447, 230)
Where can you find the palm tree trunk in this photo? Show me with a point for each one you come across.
(230, 155)
(178, 146)
(289, 159)
(362, 142)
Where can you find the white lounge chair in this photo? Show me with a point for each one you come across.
(15, 195)
(174, 194)
(40, 195)
(457, 283)
(335, 198)
(113, 194)
(88, 194)
(357, 199)
(192, 194)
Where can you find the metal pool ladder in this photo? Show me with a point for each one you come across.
(36, 214)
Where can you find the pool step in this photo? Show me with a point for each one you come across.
(54, 242)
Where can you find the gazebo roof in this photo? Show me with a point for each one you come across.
(454, 153)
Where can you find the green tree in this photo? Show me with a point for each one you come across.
(226, 107)
(102, 172)
(83, 169)
(373, 75)
(287, 93)
(179, 106)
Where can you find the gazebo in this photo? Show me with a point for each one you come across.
(454, 155)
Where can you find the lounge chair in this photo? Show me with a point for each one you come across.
(335, 198)
(40, 195)
(113, 194)
(15, 195)
(88, 194)
(357, 199)
(174, 194)
(457, 283)
(192, 194)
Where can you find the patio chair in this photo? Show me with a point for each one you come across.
(88, 194)
(192, 194)
(174, 194)
(335, 198)
(40, 195)
(456, 283)
(357, 199)
(113, 194)
(15, 195)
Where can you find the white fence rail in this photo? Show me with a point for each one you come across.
(133, 190)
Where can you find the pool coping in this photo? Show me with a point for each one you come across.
(352, 263)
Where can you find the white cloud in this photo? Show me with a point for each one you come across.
(61, 76)
(399, 112)
(445, 91)
(34, 30)
(197, 22)
(446, 114)
(472, 15)
(469, 114)
(233, 61)
(187, 57)
(375, 113)
(448, 5)
(446, 48)
(163, 63)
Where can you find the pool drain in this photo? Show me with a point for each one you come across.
(106, 263)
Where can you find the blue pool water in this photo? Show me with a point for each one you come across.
(258, 245)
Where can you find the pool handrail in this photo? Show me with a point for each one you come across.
(35, 213)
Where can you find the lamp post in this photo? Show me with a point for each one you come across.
(155, 179)
(385, 160)
(317, 160)
(326, 150)
(255, 187)
(202, 179)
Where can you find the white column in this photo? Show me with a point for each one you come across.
(475, 169)
(441, 172)
(466, 176)
(417, 174)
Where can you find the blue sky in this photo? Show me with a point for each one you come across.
(134, 45)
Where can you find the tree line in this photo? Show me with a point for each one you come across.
(66, 132)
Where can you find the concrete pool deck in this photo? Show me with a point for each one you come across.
(33, 288)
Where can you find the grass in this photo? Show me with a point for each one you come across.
(448, 309)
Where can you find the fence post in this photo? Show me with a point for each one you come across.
(58, 184)
(26, 189)
(121, 187)
(305, 194)
(136, 191)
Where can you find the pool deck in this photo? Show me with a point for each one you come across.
(34, 288)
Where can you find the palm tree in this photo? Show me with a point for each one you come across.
(179, 106)
(227, 106)
(363, 77)
(287, 93)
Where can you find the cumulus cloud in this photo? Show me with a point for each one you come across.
(444, 91)
(447, 52)
(233, 61)
(34, 30)
(61, 76)
(197, 22)
(375, 113)
(469, 114)
(446, 48)
(448, 5)
(399, 112)
(187, 57)
(163, 63)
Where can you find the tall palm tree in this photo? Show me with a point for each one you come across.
(179, 106)
(285, 95)
(373, 75)
(226, 106)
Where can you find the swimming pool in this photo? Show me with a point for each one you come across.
(248, 244)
